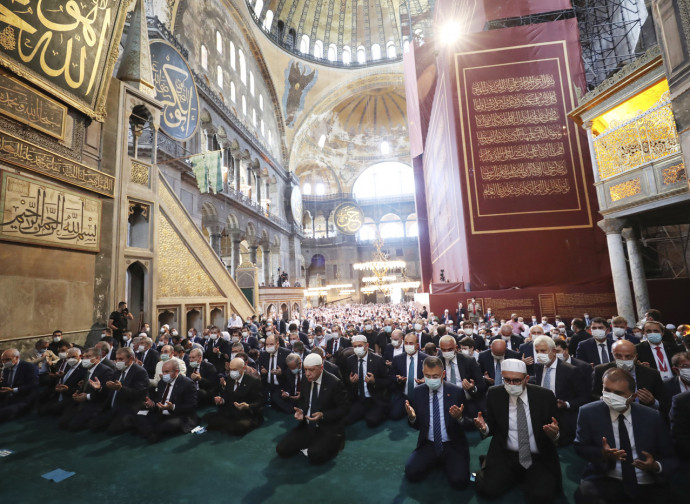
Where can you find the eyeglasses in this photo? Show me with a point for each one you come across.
(513, 381)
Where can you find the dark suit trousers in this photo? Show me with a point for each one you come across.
(456, 464)
(373, 411)
(322, 445)
(114, 422)
(157, 423)
(77, 416)
(504, 474)
(232, 424)
(281, 403)
(604, 490)
(397, 410)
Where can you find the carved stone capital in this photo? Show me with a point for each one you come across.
(612, 226)
(629, 234)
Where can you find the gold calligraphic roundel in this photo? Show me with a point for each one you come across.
(348, 218)
(176, 90)
(296, 205)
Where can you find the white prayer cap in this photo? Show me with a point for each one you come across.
(313, 360)
(670, 327)
(514, 365)
(359, 337)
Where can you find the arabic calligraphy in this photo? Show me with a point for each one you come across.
(517, 118)
(541, 98)
(22, 103)
(521, 134)
(513, 84)
(66, 43)
(26, 155)
(41, 213)
(524, 170)
(176, 91)
(540, 187)
(521, 151)
(348, 218)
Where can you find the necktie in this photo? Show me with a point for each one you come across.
(298, 382)
(662, 362)
(335, 346)
(438, 437)
(313, 407)
(122, 376)
(604, 353)
(629, 476)
(166, 392)
(13, 372)
(270, 370)
(410, 379)
(524, 454)
(452, 371)
(361, 378)
(86, 381)
(499, 378)
(547, 378)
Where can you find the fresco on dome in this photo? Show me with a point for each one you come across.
(299, 79)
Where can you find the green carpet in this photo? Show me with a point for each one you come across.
(214, 468)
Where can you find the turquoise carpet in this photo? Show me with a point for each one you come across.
(214, 468)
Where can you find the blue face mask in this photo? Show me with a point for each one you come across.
(295, 371)
(433, 383)
(387, 329)
(654, 338)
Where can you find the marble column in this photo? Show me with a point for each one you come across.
(215, 243)
(237, 168)
(619, 269)
(235, 257)
(252, 254)
(639, 279)
(258, 188)
(266, 258)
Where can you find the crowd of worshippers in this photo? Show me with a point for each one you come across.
(619, 393)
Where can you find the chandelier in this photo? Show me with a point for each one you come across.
(381, 267)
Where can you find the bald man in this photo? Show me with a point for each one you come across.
(273, 369)
(240, 402)
(490, 361)
(513, 341)
(18, 383)
(649, 385)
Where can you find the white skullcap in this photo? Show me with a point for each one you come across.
(514, 365)
(225, 334)
(359, 337)
(313, 360)
(141, 335)
(670, 326)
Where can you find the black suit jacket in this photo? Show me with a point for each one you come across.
(149, 363)
(342, 343)
(332, 368)
(265, 362)
(515, 341)
(576, 339)
(130, 398)
(332, 402)
(672, 387)
(644, 353)
(399, 367)
(72, 382)
(217, 359)
(542, 406)
(375, 365)
(25, 380)
(183, 396)
(645, 377)
(469, 370)
(486, 361)
(680, 424)
(104, 374)
(588, 351)
(452, 395)
(209, 376)
(249, 391)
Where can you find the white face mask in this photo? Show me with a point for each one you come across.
(235, 339)
(468, 331)
(72, 361)
(194, 364)
(396, 343)
(56, 339)
(560, 356)
(360, 351)
(599, 334)
(514, 390)
(410, 349)
(448, 355)
(235, 375)
(626, 365)
(561, 330)
(63, 355)
(615, 402)
(213, 336)
(245, 334)
(271, 349)
(418, 327)
(543, 358)
(367, 327)
(120, 366)
(685, 374)
(86, 363)
(466, 351)
(618, 332)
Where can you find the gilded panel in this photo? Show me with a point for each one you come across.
(626, 189)
(674, 174)
(139, 173)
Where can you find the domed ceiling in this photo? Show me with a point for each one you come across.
(374, 25)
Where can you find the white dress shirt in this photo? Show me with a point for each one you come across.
(664, 374)
(407, 369)
(316, 384)
(398, 351)
(444, 432)
(552, 376)
(643, 477)
(512, 424)
(165, 399)
(364, 370)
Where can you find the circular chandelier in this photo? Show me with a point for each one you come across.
(381, 268)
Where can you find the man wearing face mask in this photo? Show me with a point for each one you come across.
(40, 358)
(384, 336)
(273, 369)
(87, 401)
(117, 322)
(368, 384)
(55, 341)
(463, 371)
(681, 375)
(204, 376)
(597, 349)
(656, 352)
(422, 336)
(628, 447)
(105, 351)
(526, 350)
(248, 339)
(336, 343)
(61, 395)
(406, 373)
(513, 341)
(126, 393)
(369, 332)
(521, 419)
(565, 381)
(18, 384)
(240, 402)
(490, 361)
(216, 349)
(620, 330)
(437, 410)
(649, 386)
(394, 348)
(585, 368)
(468, 331)
(167, 354)
(291, 384)
(171, 407)
(147, 357)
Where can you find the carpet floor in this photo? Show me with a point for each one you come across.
(215, 468)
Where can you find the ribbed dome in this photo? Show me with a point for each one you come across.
(350, 33)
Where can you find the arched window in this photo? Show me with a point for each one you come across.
(320, 227)
(219, 77)
(390, 50)
(318, 49)
(263, 132)
(254, 117)
(391, 226)
(232, 55)
(261, 102)
(258, 7)
(244, 105)
(306, 188)
(375, 52)
(361, 55)
(304, 44)
(411, 225)
(368, 230)
(204, 57)
(268, 20)
(320, 189)
(232, 92)
(332, 52)
(387, 179)
(243, 68)
(270, 138)
(347, 55)
(251, 82)
(219, 42)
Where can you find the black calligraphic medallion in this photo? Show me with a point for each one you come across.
(348, 218)
(176, 90)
